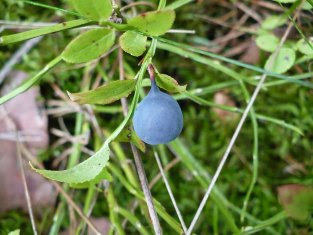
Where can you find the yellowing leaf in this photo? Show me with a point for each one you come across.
(89, 45)
(133, 43)
(83, 172)
(168, 83)
(105, 94)
(93, 9)
(153, 23)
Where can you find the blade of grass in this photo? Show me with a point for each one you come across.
(265, 224)
(186, 51)
(279, 122)
(133, 220)
(255, 163)
(169, 190)
(207, 90)
(281, 82)
(4, 40)
(113, 207)
(31, 81)
(50, 7)
(177, 4)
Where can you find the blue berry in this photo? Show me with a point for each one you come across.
(158, 118)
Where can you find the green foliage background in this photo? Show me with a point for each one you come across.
(205, 136)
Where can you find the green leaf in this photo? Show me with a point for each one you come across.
(41, 31)
(307, 6)
(104, 175)
(267, 42)
(297, 200)
(273, 22)
(168, 83)
(98, 10)
(89, 45)
(304, 47)
(15, 232)
(133, 43)
(30, 82)
(129, 135)
(106, 94)
(83, 172)
(153, 23)
(283, 61)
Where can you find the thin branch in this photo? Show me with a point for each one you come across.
(146, 191)
(187, 31)
(237, 131)
(166, 169)
(17, 56)
(13, 127)
(168, 187)
(28, 201)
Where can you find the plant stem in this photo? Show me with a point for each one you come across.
(146, 191)
(30, 82)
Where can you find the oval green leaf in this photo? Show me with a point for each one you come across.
(267, 42)
(169, 84)
(104, 175)
(305, 47)
(89, 45)
(83, 172)
(98, 10)
(133, 43)
(273, 22)
(153, 23)
(283, 61)
(105, 94)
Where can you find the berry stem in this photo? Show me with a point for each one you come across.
(151, 71)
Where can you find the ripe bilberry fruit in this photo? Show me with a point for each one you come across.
(158, 118)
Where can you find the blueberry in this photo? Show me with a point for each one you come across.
(158, 118)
